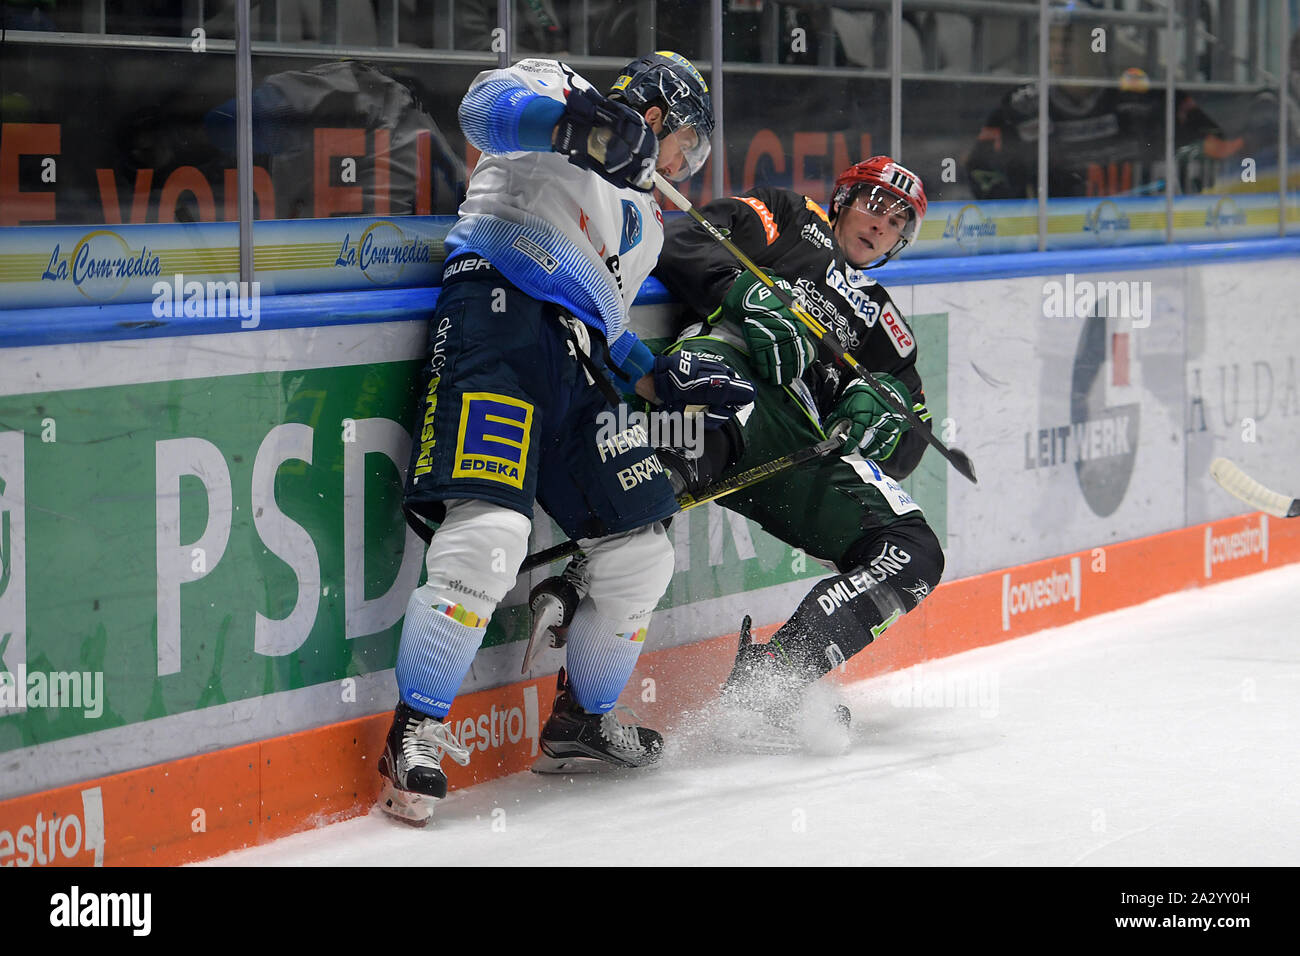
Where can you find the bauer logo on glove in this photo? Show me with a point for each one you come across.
(686, 379)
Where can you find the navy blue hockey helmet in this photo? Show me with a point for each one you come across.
(670, 81)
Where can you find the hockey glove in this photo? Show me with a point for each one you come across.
(611, 139)
(685, 379)
(874, 427)
(779, 344)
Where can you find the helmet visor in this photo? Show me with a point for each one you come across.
(878, 201)
(687, 149)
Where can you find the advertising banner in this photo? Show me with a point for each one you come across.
(191, 522)
(192, 269)
(1069, 396)
(1243, 380)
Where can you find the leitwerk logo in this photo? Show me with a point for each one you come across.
(1099, 388)
(1101, 438)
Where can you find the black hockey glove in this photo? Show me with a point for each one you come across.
(684, 379)
(611, 139)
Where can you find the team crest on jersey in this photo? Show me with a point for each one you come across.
(631, 227)
(492, 442)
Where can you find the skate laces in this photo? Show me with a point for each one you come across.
(620, 734)
(575, 572)
(428, 743)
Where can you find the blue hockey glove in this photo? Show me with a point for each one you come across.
(874, 427)
(611, 139)
(684, 378)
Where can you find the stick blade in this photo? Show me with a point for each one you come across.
(965, 467)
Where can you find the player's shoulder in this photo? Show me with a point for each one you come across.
(785, 205)
(541, 74)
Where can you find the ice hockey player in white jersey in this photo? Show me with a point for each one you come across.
(528, 347)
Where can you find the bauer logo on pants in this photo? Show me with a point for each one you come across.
(492, 443)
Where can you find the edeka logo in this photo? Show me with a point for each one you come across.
(495, 728)
(13, 573)
(101, 265)
(1048, 591)
(1225, 216)
(1106, 221)
(60, 835)
(1101, 439)
(1245, 542)
(970, 227)
(492, 442)
(383, 252)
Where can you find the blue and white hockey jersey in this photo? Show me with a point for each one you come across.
(560, 233)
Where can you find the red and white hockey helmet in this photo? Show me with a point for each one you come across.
(890, 189)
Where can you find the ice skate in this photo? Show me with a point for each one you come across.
(411, 764)
(574, 741)
(551, 606)
(767, 706)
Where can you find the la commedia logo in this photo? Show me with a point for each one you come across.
(969, 227)
(1225, 215)
(1106, 220)
(383, 252)
(100, 265)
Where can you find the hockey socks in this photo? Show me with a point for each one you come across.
(601, 656)
(438, 645)
(836, 619)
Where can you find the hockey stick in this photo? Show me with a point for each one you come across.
(687, 501)
(958, 459)
(1236, 482)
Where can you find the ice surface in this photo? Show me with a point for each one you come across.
(1164, 734)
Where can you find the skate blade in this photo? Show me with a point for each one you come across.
(549, 614)
(750, 732)
(755, 744)
(411, 808)
(577, 763)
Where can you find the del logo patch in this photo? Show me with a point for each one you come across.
(492, 444)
